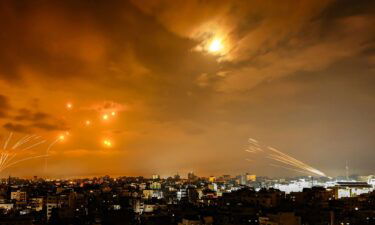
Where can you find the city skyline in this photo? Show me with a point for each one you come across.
(135, 88)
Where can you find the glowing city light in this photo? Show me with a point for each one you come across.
(105, 117)
(113, 113)
(87, 122)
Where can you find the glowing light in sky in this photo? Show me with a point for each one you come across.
(62, 137)
(105, 117)
(216, 45)
(87, 122)
(69, 105)
(113, 113)
(107, 143)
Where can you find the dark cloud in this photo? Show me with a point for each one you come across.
(4, 106)
(346, 8)
(27, 115)
(28, 121)
(49, 127)
(16, 127)
(34, 127)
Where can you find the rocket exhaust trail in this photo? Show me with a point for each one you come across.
(277, 155)
(21, 160)
(291, 169)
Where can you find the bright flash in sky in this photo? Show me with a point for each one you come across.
(105, 117)
(107, 143)
(216, 45)
(69, 105)
(113, 113)
(62, 137)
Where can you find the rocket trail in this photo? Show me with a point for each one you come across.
(32, 146)
(22, 160)
(291, 169)
(281, 157)
(27, 148)
(47, 152)
(298, 162)
(7, 141)
(8, 155)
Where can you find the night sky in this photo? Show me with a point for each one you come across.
(168, 86)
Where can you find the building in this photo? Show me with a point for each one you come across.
(6, 206)
(251, 177)
(138, 206)
(37, 204)
(351, 189)
(293, 186)
(19, 196)
(181, 194)
(155, 185)
(52, 202)
(191, 176)
(49, 207)
(212, 179)
(155, 177)
(212, 187)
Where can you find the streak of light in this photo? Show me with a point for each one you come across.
(20, 141)
(22, 160)
(9, 154)
(34, 145)
(294, 163)
(60, 138)
(24, 149)
(291, 169)
(298, 162)
(7, 141)
(281, 157)
(250, 151)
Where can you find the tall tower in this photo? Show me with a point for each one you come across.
(347, 170)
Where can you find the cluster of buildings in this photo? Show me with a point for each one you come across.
(244, 199)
